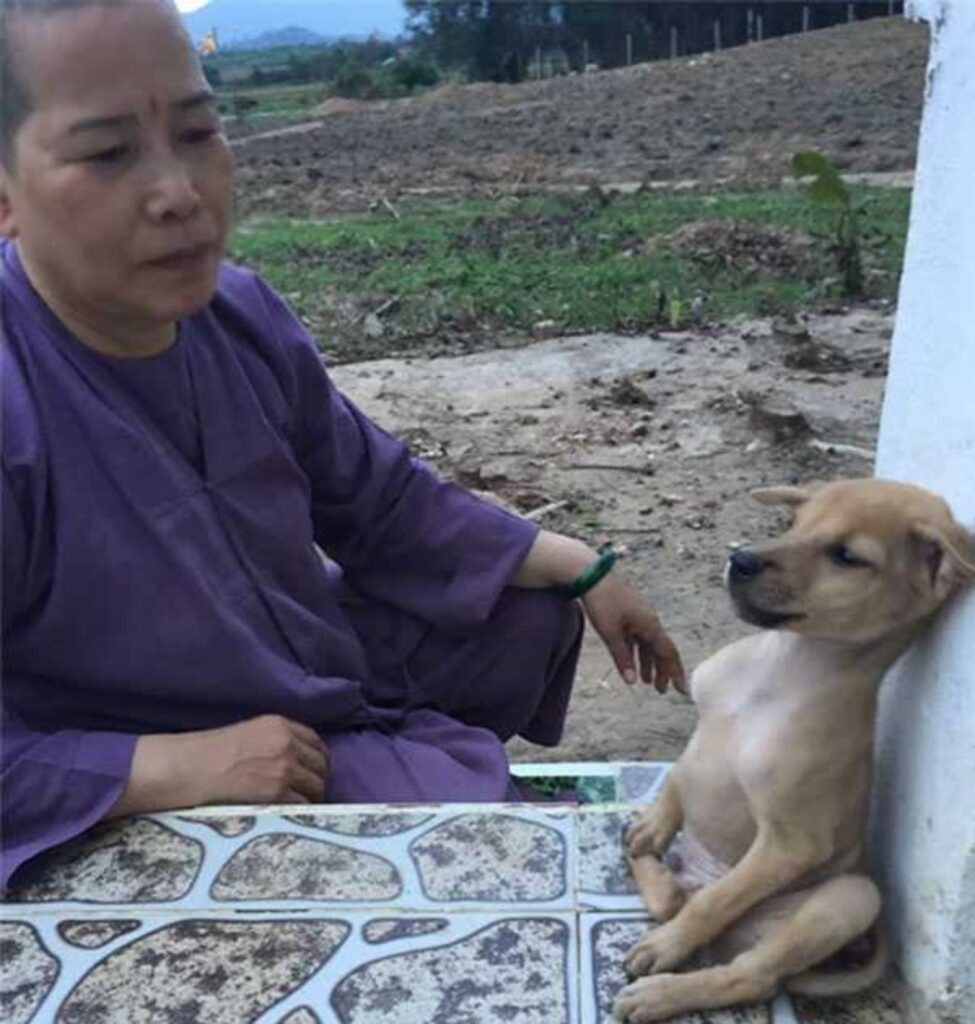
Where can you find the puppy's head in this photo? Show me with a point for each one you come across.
(862, 559)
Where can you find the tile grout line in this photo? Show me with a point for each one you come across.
(783, 1012)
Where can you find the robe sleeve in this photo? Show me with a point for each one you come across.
(399, 533)
(55, 782)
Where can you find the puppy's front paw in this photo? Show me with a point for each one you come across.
(663, 949)
(652, 999)
(651, 833)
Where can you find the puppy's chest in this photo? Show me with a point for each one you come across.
(750, 724)
(745, 701)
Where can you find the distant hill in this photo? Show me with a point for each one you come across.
(237, 21)
(291, 36)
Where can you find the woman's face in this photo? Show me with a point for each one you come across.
(119, 194)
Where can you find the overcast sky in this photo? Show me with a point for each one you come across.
(327, 17)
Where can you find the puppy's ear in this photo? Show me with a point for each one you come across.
(791, 496)
(948, 555)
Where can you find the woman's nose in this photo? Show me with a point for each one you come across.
(174, 195)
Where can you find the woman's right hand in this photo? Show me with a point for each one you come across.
(264, 760)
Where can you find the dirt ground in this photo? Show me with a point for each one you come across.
(652, 442)
(853, 92)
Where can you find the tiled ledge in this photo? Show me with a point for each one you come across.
(452, 914)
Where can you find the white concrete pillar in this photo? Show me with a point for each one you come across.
(924, 828)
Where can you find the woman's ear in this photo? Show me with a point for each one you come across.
(8, 222)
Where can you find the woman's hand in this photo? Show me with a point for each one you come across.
(264, 760)
(630, 627)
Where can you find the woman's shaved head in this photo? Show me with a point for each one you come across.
(15, 96)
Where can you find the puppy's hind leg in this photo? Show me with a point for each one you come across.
(835, 913)
(661, 894)
(646, 842)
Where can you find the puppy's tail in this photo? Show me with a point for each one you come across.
(822, 984)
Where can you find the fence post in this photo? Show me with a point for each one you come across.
(805, 17)
(717, 33)
(629, 48)
(760, 27)
(850, 13)
(750, 31)
(673, 41)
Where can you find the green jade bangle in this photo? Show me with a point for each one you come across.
(592, 574)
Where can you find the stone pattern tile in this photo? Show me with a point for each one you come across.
(456, 914)
(605, 940)
(28, 972)
(465, 857)
(603, 878)
(140, 860)
(639, 783)
(389, 929)
(493, 858)
(283, 866)
(878, 1006)
(512, 969)
(88, 934)
(204, 969)
(313, 969)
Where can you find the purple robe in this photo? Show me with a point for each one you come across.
(161, 572)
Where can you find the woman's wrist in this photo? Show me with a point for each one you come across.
(554, 561)
(164, 776)
(594, 573)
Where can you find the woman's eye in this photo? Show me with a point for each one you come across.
(844, 557)
(199, 135)
(113, 154)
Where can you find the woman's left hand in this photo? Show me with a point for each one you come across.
(630, 627)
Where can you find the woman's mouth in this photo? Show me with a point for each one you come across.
(182, 259)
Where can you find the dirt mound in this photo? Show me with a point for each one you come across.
(338, 105)
(742, 244)
(852, 91)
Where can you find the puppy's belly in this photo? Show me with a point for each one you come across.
(692, 864)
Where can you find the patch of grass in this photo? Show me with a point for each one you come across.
(486, 270)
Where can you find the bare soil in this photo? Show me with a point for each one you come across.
(652, 442)
(853, 92)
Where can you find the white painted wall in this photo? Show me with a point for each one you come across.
(924, 834)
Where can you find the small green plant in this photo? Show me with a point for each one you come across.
(828, 189)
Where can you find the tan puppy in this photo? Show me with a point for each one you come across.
(755, 845)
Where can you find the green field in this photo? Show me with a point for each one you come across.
(585, 261)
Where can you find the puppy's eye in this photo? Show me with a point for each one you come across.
(844, 557)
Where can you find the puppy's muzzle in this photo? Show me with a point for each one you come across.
(745, 566)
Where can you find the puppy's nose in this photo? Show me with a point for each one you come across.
(745, 565)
